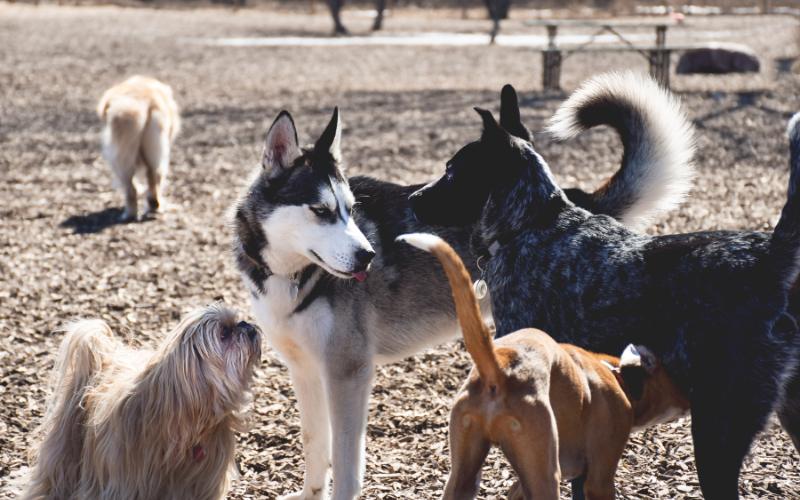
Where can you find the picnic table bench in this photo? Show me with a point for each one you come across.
(658, 55)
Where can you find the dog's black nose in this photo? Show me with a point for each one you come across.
(250, 329)
(364, 256)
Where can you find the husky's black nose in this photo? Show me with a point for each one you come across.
(364, 256)
(250, 329)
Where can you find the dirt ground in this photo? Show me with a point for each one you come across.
(406, 109)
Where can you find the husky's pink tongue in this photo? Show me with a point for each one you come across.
(360, 276)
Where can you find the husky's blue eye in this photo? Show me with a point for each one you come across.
(321, 211)
(225, 334)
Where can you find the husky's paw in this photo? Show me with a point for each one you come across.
(314, 494)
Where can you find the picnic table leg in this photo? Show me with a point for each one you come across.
(660, 59)
(551, 62)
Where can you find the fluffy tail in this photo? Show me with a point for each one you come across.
(86, 347)
(786, 238)
(476, 336)
(657, 168)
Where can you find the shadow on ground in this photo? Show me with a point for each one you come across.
(96, 222)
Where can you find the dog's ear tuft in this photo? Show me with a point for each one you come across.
(510, 117)
(641, 357)
(648, 360)
(280, 148)
(331, 138)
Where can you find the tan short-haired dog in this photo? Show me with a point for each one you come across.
(140, 120)
(556, 411)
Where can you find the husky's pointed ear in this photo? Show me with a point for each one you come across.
(281, 147)
(331, 138)
(509, 115)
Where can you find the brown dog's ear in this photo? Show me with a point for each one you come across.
(280, 148)
(510, 117)
(636, 365)
(331, 138)
(641, 356)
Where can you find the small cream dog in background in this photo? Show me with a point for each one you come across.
(140, 120)
(127, 424)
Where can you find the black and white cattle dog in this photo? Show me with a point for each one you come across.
(711, 305)
(300, 231)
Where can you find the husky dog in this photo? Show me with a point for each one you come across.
(712, 305)
(301, 230)
(146, 424)
(140, 120)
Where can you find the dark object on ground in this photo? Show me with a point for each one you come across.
(719, 58)
(336, 6)
(498, 9)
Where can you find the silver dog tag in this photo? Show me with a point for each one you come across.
(294, 287)
(480, 288)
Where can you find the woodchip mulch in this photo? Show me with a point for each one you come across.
(406, 110)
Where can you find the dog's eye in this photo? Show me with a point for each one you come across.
(321, 211)
(225, 334)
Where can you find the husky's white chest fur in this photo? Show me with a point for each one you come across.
(298, 338)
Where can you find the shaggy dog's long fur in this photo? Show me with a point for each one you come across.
(140, 120)
(711, 305)
(140, 424)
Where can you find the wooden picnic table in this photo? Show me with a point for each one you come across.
(658, 54)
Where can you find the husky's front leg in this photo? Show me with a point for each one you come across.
(349, 387)
(315, 428)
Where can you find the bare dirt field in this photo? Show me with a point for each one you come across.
(406, 109)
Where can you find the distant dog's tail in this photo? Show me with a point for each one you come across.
(476, 336)
(657, 168)
(786, 238)
(86, 348)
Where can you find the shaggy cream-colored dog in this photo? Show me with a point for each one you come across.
(127, 424)
(140, 120)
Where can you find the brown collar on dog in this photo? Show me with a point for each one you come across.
(618, 375)
(257, 265)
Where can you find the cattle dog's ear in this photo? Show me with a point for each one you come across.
(489, 123)
(509, 115)
(280, 149)
(331, 138)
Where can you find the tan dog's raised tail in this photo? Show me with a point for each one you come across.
(556, 411)
(140, 120)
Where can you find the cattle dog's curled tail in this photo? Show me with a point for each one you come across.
(477, 338)
(786, 238)
(657, 168)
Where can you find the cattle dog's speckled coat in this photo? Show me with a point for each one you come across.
(337, 330)
(712, 305)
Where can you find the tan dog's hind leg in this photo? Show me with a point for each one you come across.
(125, 177)
(154, 154)
(468, 450)
(603, 465)
(531, 446)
